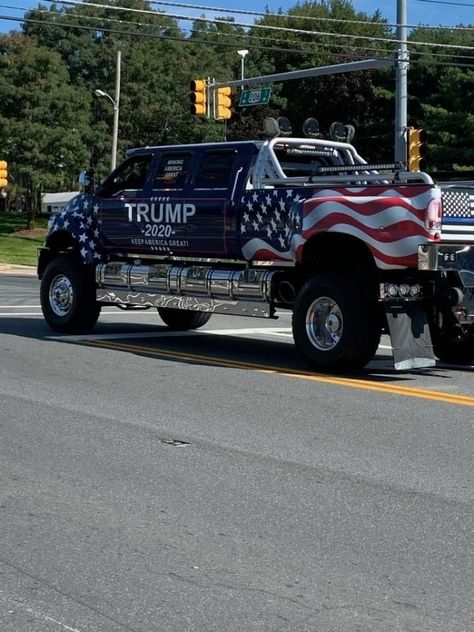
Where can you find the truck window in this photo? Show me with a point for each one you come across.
(129, 175)
(172, 171)
(216, 170)
(304, 160)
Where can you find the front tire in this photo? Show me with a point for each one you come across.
(182, 319)
(68, 296)
(335, 323)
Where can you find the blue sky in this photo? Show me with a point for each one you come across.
(447, 13)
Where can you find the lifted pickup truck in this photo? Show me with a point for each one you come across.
(252, 227)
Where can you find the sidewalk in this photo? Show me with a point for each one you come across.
(10, 268)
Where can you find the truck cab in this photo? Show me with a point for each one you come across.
(176, 201)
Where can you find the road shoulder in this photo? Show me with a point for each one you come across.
(18, 270)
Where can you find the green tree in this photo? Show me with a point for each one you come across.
(44, 123)
(441, 84)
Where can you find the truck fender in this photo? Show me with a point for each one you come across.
(79, 221)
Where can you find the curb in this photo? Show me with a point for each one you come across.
(10, 268)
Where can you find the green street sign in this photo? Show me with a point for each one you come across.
(255, 97)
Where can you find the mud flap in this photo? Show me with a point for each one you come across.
(410, 336)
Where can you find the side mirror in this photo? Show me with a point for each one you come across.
(87, 181)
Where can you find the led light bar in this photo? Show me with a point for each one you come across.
(362, 167)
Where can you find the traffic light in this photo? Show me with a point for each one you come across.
(3, 174)
(198, 97)
(223, 103)
(416, 148)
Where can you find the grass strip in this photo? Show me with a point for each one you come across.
(17, 245)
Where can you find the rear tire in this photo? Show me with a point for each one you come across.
(67, 296)
(335, 323)
(182, 319)
(454, 347)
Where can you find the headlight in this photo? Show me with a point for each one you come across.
(392, 290)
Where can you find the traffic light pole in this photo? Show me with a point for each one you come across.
(366, 64)
(401, 92)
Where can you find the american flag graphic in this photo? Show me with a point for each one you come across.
(458, 203)
(77, 218)
(458, 215)
(269, 220)
(390, 220)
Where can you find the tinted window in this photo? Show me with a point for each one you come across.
(130, 175)
(304, 161)
(172, 171)
(216, 169)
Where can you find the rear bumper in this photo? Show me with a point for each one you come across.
(455, 263)
(457, 258)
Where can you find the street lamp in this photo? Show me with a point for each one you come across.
(116, 103)
(243, 53)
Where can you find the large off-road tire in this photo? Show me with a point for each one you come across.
(182, 319)
(68, 296)
(336, 326)
(455, 346)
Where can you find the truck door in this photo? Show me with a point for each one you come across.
(194, 193)
(171, 207)
(122, 203)
(216, 191)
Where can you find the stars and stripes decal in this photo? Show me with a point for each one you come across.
(458, 214)
(77, 219)
(390, 220)
(275, 224)
(269, 219)
(458, 204)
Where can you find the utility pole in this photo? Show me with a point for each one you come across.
(116, 110)
(401, 92)
(116, 103)
(242, 53)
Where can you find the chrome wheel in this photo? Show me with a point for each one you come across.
(324, 323)
(336, 323)
(61, 295)
(68, 296)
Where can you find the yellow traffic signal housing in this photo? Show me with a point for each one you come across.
(198, 97)
(3, 174)
(223, 103)
(416, 148)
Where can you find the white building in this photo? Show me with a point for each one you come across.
(55, 202)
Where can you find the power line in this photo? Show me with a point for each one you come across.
(101, 29)
(308, 18)
(291, 16)
(303, 17)
(453, 4)
(219, 34)
(268, 27)
(248, 37)
(338, 54)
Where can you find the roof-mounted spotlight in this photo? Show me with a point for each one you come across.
(337, 132)
(276, 127)
(284, 125)
(270, 127)
(341, 133)
(350, 132)
(311, 127)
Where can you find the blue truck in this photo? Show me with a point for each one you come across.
(249, 228)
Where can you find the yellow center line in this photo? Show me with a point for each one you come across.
(371, 385)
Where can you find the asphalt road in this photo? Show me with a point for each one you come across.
(208, 482)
